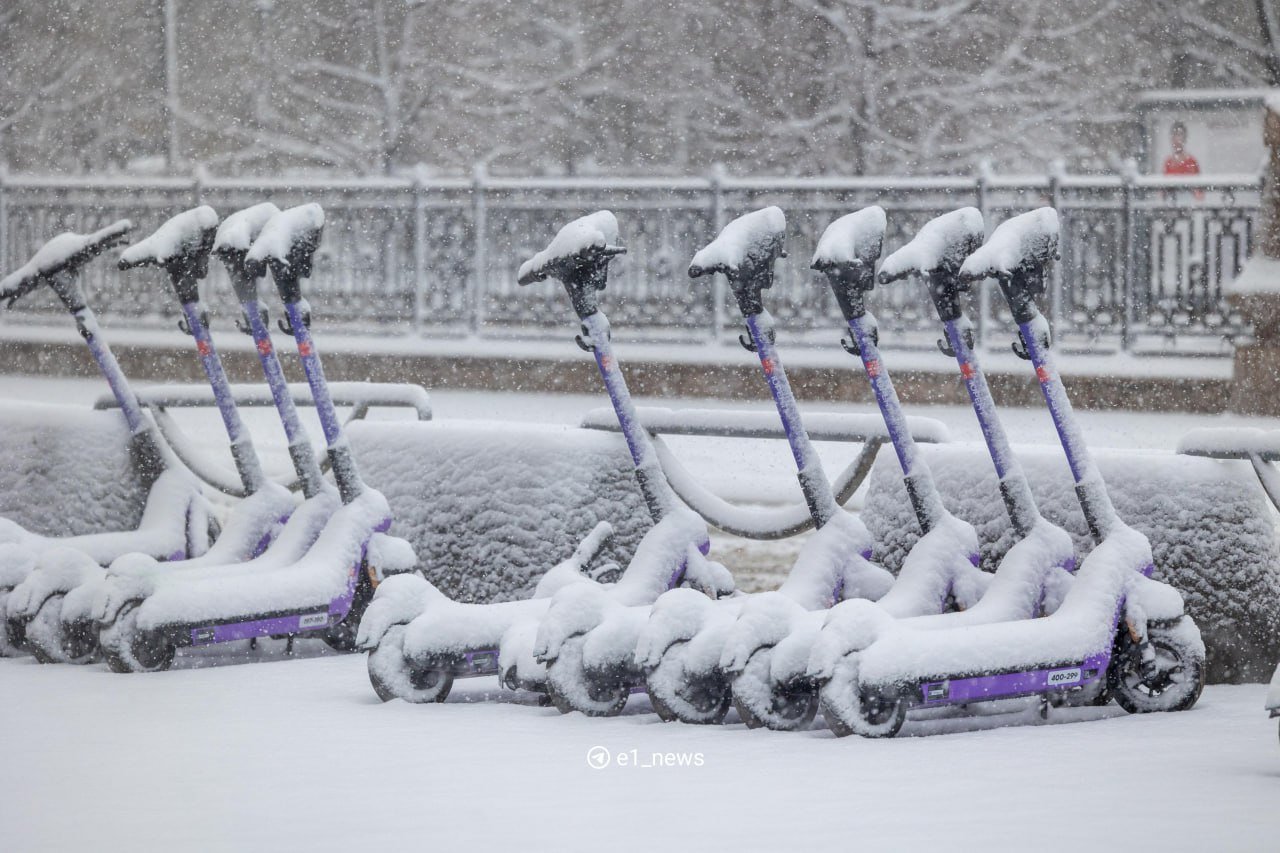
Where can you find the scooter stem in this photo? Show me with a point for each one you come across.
(341, 461)
(813, 480)
(246, 460)
(915, 471)
(144, 448)
(1020, 289)
(1014, 488)
(245, 286)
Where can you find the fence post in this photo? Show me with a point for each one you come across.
(198, 178)
(480, 251)
(981, 185)
(1128, 175)
(716, 183)
(419, 247)
(1057, 171)
(4, 219)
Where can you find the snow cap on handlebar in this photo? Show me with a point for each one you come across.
(64, 254)
(235, 236)
(181, 246)
(579, 257)
(937, 252)
(847, 254)
(287, 244)
(1017, 255)
(745, 251)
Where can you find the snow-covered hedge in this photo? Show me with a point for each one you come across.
(490, 506)
(1211, 528)
(64, 470)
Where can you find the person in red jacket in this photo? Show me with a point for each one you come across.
(1180, 162)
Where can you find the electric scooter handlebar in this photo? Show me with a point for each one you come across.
(583, 275)
(745, 251)
(850, 281)
(1018, 255)
(287, 245)
(231, 244)
(180, 247)
(58, 261)
(937, 254)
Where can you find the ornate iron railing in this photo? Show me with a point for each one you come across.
(1144, 259)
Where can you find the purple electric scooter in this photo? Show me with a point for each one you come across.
(588, 637)
(770, 685)
(323, 593)
(1115, 626)
(175, 518)
(420, 641)
(181, 247)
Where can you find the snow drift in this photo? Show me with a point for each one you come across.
(1210, 528)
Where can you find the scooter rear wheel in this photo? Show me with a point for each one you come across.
(394, 676)
(763, 703)
(1177, 684)
(8, 648)
(849, 709)
(46, 640)
(572, 689)
(126, 650)
(701, 700)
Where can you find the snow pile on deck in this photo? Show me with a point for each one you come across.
(852, 239)
(942, 242)
(66, 470)
(57, 252)
(1210, 528)
(178, 236)
(749, 238)
(595, 231)
(238, 231)
(1029, 236)
(486, 520)
(283, 231)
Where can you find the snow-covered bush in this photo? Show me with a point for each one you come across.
(65, 470)
(1211, 528)
(489, 507)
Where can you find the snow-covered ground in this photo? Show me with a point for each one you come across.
(300, 755)
(716, 463)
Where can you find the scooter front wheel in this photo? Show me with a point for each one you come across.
(45, 638)
(1178, 677)
(572, 689)
(126, 650)
(394, 676)
(849, 709)
(11, 641)
(700, 699)
(763, 703)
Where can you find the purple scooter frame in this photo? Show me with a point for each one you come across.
(918, 478)
(287, 277)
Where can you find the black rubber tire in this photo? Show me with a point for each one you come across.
(791, 707)
(125, 651)
(80, 640)
(45, 638)
(847, 711)
(703, 703)
(342, 637)
(8, 649)
(571, 689)
(393, 676)
(1171, 646)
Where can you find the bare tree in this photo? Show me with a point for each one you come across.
(1238, 41)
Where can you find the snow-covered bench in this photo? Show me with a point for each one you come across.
(360, 397)
(1211, 530)
(771, 523)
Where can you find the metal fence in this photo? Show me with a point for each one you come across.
(1144, 259)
